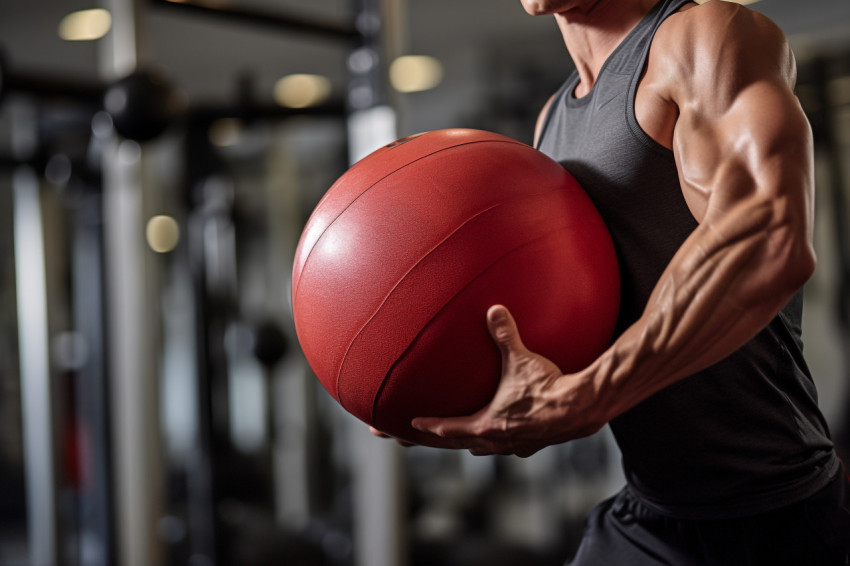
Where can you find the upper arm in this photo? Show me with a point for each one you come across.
(741, 139)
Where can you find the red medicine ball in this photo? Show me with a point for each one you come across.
(403, 256)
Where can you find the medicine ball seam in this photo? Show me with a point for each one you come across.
(393, 172)
(491, 266)
(447, 238)
(398, 282)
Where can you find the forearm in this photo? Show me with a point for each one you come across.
(724, 285)
(751, 251)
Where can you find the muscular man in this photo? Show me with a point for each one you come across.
(681, 123)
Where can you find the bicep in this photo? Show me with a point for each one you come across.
(758, 150)
(753, 165)
(740, 131)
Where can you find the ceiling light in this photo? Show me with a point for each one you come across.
(302, 91)
(163, 234)
(85, 25)
(415, 73)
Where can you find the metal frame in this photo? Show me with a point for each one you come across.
(324, 29)
(128, 473)
(36, 386)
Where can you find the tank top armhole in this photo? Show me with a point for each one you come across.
(631, 117)
(557, 99)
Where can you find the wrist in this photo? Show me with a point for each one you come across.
(581, 396)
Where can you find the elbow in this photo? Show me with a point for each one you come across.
(789, 244)
(797, 265)
(803, 266)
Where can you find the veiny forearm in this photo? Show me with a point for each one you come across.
(724, 285)
(751, 158)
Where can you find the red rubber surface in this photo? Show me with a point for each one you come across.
(400, 260)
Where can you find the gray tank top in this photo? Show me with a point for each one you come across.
(743, 436)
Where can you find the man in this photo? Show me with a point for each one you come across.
(681, 123)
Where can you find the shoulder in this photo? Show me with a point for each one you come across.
(717, 21)
(720, 47)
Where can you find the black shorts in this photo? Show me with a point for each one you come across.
(622, 531)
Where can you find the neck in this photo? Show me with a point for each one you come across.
(592, 32)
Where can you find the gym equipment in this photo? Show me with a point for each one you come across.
(403, 256)
(141, 104)
(277, 20)
(269, 344)
(140, 107)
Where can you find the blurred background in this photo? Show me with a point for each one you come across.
(157, 163)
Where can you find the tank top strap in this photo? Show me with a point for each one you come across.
(637, 42)
(627, 60)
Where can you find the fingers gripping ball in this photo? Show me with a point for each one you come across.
(403, 256)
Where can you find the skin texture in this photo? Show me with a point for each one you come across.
(718, 91)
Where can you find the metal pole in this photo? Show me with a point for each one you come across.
(132, 313)
(294, 414)
(92, 390)
(121, 50)
(380, 533)
(132, 362)
(325, 29)
(36, 389)
(203, 481)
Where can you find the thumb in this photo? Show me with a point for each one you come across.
(504, 330)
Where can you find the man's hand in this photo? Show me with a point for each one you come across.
(535, 405)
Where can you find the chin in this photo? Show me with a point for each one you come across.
(545, 7)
